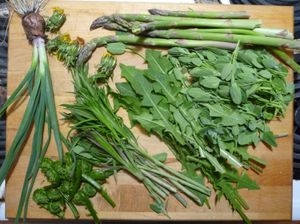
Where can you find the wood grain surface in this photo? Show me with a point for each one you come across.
(271, 202)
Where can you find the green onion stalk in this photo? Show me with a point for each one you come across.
(40, 110)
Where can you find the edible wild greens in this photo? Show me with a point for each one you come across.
(40, 111)
(103, 138)
(208, 106)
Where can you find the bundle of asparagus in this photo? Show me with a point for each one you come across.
(192, 29)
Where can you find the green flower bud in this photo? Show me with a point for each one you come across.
(56, 20)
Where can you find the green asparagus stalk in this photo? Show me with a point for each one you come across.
(198, 34)
(269, 32)
(286, 59)
(155, 21)
(201, 14)
(88, 48)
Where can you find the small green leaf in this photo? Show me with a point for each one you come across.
(116, 48)
(197, 61)
(269, 138)
(162, 157)
(265, 74)
(227, 71)
(210, 82)
(245, 138)
(199, 94)
(235, 93)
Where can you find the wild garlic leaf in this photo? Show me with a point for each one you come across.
(116, 48)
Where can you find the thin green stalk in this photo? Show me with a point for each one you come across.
(220, 23)
(286, 59)
(198, 34)
(273, 32)
(200, 188)
(100, 189)
(51, 108)
(23, 86)
(155, 20)
(202, 14)
(89, 48)
(22, 132)
(187, 192)
(160, 182)
(167, 175)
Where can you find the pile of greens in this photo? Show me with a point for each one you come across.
(207, 105)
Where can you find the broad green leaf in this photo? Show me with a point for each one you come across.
(227, 71)
(265, 74)
(210, 82)
(196, 61)
(157, 63)
(199, 94)
(231, 119)
(116, 48)
(269, 138)
(201, 72)
(125, 89)
(235, 93)
(245, 138)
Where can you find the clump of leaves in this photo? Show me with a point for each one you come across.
(208, 106)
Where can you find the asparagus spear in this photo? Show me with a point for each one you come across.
(198, 34)
(286, 59)
(269, 32)
(201, 14)
(88, 48)
(155, 21)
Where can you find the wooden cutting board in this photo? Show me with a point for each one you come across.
(271, 202)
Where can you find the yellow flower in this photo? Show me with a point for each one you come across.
(58, 10)
(66, 38)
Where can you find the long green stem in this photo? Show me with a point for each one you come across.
(23, 86)
(167, 21)
(51, 108)
(140, 28)
(286, 59)
(201, 14)
(198, 34)
(88, 48)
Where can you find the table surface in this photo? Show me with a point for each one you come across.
(271, 202)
